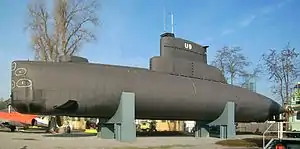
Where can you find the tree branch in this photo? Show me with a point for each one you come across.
(65, 31)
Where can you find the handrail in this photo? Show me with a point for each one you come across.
(279, 132)
(265, 133)
(282, 131)
(269, 142)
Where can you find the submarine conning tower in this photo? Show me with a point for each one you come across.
(184, 58)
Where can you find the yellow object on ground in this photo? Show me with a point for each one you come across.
(145, 125)
(90, 131)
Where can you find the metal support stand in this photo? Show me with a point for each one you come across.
(122, 125)
(226, 121)
(202, 130)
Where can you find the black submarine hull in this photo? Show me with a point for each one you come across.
(96, 91)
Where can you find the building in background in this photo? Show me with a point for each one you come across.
(169, 125)
(249, 83)
(161, 125)
(189, 125)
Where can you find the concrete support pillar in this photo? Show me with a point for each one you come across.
(122, 125)
(226, 122)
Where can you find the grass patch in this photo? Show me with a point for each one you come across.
(155, 147)
(248, 142)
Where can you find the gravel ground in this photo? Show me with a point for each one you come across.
(30, 140)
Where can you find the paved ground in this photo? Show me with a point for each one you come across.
(19, 140)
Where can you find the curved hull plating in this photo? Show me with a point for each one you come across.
(97, 89)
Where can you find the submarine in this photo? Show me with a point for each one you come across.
(178, 85)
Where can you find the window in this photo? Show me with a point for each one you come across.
(298, 116)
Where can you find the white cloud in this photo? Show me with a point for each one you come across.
(247, 21)
(282, 3)
(267, 10)
(227, 31)
(250, 19)
(206, 40)
(274, 7)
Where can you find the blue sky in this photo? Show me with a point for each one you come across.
(130, 29)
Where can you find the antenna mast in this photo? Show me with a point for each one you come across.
(172, 22)
(165, 20)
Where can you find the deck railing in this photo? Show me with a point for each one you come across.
(279, 132)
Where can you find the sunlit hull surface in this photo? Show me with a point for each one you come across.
(97, 88)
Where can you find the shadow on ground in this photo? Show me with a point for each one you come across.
(138, 134)
(247, 133)
(5, 130)
(71, 135)
(24, 131)
(158, 147)
(248, 142)
(163, 134)
(33, 132)
(27, 139)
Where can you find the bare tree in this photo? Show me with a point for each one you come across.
(63, 30)
(221, 60)
(283, 70)
(231, 62)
